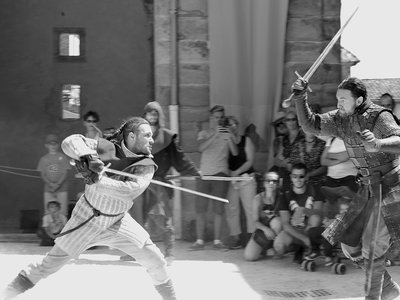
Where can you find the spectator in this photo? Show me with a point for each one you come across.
(53, 168)
(340, 172)
(310, 151)
(290, 142)
(52, 224)
(214, 145)
(167, 153)
(280, 131)
(386, 100)
(91, 118)
(299, 212)
(241, 191)
(266, 220)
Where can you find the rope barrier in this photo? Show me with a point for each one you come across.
(22, 169)
(19, 174)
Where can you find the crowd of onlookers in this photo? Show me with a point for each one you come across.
(285, 209)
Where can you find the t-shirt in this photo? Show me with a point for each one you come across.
(214, 159)
(342, 169)
(267, 211)
(290, 201)
(54, 223)
(54, 166)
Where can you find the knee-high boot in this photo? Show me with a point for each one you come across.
(390, 289)
(378, 271)
(166, 290)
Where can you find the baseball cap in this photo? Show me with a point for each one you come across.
(52, 139)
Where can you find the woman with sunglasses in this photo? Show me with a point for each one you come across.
(266, 220)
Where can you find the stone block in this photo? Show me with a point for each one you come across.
(301, 8)
(194, 73)
(191, 51)
(162, 28)
(304, 29)
(162, 52)
(194, 95)
(163, 75)
(193, 28)
(303, 51)
(193, 7)
(163, 93)
(161, 7)
(194, 114)
(329, 94)
(188, 137)
(330, 27)
(331, 8)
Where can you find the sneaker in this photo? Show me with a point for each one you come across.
(196, 246)
(127, 258)
(311, 256)
(234, 245)
(328, 261)
(220, 246)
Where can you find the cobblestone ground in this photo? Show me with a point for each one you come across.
(207, 274)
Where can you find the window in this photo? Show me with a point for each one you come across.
(70, 44)
(71, 101)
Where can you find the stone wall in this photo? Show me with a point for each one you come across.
(311, 25)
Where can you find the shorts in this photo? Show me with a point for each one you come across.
(214, 188)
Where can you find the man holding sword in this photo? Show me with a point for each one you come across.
(372, 138)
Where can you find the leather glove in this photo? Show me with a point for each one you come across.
(89, 166)
(299, 87)
(370, 142)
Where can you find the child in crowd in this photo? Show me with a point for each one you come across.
(53, 168)
(267, 222)
(52, 224)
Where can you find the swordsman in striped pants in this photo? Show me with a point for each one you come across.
(100, 216)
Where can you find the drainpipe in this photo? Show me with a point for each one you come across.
(174, 110)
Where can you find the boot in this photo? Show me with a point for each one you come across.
(19, 285)
(166, 290)
(390, 289)
(378, 271)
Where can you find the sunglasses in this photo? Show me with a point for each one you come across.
(91, 121)
(271, 181)
(298, 176)
(291, 119)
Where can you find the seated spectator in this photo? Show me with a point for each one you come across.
(240, 191)
(90, 120)
(299, 212)
(266, 220)
(52, 224)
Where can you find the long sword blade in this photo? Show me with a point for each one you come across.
(321, 57)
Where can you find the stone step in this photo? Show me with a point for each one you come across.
(19, 238)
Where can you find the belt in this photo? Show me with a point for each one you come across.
(383, 169)
(378, 175)
(96, 213)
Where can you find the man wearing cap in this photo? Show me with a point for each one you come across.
(53, 168)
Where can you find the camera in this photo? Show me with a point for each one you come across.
(223, 124)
